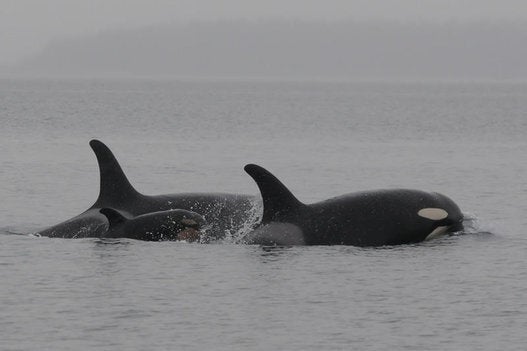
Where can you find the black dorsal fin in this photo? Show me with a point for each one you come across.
(278, 202)
(114, 187)
(114, 217)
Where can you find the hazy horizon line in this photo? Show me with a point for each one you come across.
(378, 45)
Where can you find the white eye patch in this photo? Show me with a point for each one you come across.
(434, 214)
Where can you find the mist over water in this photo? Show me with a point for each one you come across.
(290, 49)
(30, 26)
(322, 139)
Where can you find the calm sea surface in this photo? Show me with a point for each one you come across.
(322, 139)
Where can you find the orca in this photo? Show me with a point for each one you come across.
(154, 226)
(368, 218)
(224, 213)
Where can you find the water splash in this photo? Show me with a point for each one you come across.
(253, 217)
(473, 224)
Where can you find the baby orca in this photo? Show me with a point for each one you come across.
(155, 226)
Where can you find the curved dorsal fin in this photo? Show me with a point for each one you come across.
(114, 187)
(114, 217)
(278, 201)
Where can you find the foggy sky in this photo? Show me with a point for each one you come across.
(28, 26)
(285, 49)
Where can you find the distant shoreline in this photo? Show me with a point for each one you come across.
(289, 50)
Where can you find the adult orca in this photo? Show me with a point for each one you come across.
(224, 213)
(369, 218)
(154, 226)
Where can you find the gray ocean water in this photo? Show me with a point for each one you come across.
(322, 139)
